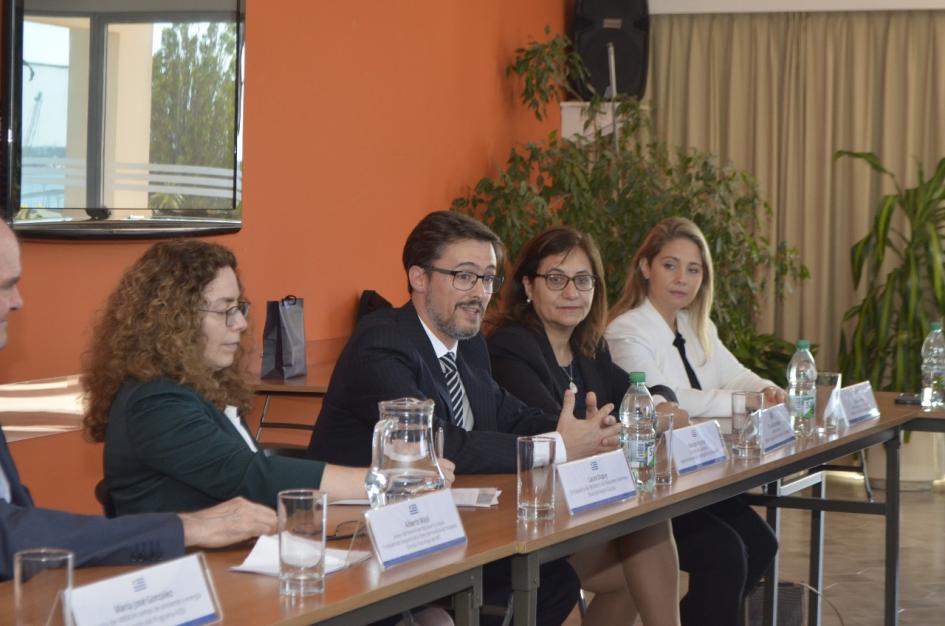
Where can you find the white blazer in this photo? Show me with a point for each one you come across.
(641, 340)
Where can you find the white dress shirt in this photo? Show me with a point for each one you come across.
(561, 454)
(641, 340)
(234, 416)
(441, 350)
(5, 494)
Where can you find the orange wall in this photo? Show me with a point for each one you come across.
(360, 118)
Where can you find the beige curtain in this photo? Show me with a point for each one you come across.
(778, 94)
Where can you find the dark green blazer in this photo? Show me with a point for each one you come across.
(169, 449)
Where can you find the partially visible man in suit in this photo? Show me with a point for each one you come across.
(431, 348)
(97, 540)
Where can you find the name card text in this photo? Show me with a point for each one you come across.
(776, 430)
(416, 527)
(858, 402)
(595, 481)
(173, 593)
(698, 446)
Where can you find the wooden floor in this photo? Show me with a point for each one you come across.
(853, 549)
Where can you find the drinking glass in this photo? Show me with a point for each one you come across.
(746, 424)
(536, 478)
(828, 402)
(664, 447)
(302, 523)
(41, 587)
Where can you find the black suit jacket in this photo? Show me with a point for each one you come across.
(524, 363)
(94, 540)
(390, 356)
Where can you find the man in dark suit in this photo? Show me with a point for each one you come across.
(96, 540)
(451, 262)
(431, 348)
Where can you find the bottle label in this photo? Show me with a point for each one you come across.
(802, 406)
(642, 453)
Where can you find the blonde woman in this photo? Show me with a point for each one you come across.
(663, 314)
(661, 325)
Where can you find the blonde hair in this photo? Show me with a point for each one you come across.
(636, 288)
(151, 328)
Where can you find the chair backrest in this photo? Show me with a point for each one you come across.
(295, 452)
(371, 301)
(101, 494)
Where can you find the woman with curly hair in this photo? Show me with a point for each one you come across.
(166, 385)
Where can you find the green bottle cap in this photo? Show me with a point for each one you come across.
(637, 377)
(803, 344)
(936, 325)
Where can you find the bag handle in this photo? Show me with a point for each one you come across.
(289, 300)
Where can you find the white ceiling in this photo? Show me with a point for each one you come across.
(783, 6)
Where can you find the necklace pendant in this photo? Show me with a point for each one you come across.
(573, 387)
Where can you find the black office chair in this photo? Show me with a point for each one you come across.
(295, 452)
(371, 301)
(101, 494)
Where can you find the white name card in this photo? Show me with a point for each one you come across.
(858, 402)
(776, 428)
(413, 528)
(173, 593)
(595, 481)
(698, 446)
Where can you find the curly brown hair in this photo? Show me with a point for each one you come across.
(151, 328)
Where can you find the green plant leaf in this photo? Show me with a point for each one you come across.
(868, 157)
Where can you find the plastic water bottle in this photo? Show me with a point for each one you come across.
(802, 389)
(638, 435)
(933, 368)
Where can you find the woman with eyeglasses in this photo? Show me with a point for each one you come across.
(550, 340)
(166, 385)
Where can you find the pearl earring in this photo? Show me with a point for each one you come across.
(528, 300)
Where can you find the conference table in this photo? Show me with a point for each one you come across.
(780, 474)
(360, 594)
(364, 593)
(321, 356)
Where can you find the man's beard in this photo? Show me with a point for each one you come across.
(449, 327)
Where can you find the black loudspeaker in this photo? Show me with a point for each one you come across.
(626, 24)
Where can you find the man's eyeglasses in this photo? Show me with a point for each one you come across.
(346, 530)
(557, 282)
(464, 281)
(241, 307)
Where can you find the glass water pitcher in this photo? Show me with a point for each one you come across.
(404, 461)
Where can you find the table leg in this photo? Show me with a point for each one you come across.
(525, 580)
(466, 603)
(892, 531)
(771, 576)
(816, 574)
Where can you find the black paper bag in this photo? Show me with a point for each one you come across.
(284, 339)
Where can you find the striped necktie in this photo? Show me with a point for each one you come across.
(448, 364)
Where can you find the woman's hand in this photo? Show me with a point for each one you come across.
(449, 469)
(680, 416)
(773, 395)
